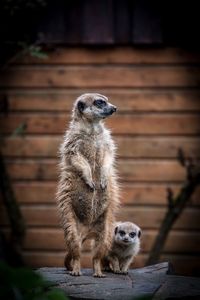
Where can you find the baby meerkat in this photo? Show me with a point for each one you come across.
(88, 191)
(125, 246)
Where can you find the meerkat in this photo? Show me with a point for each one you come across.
(125, 246)
(88, 193)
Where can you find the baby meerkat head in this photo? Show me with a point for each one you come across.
(93, 107)
(127, 233)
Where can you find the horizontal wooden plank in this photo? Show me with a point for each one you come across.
(131, 194)
(183, 264)
(53, 239)
(45, 215)
(130, 147)
(77, 55)
(137, 124)
(151, 217)
(104, 76)
(152, 194)
(126, 101)
(129, 170)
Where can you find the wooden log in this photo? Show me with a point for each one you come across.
(179, 287)
(152, 282)
(183, 264)
(139, 283)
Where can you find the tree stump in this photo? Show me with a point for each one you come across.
(152, 282)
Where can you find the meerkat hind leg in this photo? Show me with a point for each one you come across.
(72, 258)
(97, 268)
(97, 258)
(68, 262)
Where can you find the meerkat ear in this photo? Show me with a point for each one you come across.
(116, 229)
(139, 233)
(80, 106)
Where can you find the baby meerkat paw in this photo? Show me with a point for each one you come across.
(75, 273)
(99, 275)
(117, 271)
(124, 272)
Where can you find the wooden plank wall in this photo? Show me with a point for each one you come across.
(157, 94)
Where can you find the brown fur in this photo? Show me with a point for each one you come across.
(88, 191)
(124, 247)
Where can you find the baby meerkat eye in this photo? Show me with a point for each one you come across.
(99, 103)
(121, 232)
(132, 234)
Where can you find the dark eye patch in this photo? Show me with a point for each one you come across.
(121, 232)
(99, 103)
(132, 234)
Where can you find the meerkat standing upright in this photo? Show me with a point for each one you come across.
(88, 191)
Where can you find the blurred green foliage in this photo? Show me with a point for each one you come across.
(25, 284)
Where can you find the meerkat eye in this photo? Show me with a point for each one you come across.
(121, 232)
(81, 106)
(99, 103)
(132, 234)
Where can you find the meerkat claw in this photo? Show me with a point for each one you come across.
(124, 272)
(103, 185)
(99, 275)
(117, 272)
(91, 186)
(75, 273)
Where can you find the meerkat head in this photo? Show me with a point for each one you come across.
(93, 107)
(127, 233)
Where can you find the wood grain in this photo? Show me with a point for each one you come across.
(137, 124)
(35, 192)
(77, 55)
(130, 147)
(125, 100)
(129, 170)
(146, 217)
(177, 241)
(98, 77)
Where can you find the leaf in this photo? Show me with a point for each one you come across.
(56, 294)
(20, 130)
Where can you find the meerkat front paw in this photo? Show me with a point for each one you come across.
(91, 185)
(103, 183)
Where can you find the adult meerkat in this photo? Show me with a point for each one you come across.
(88, 191)
(125, 246)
